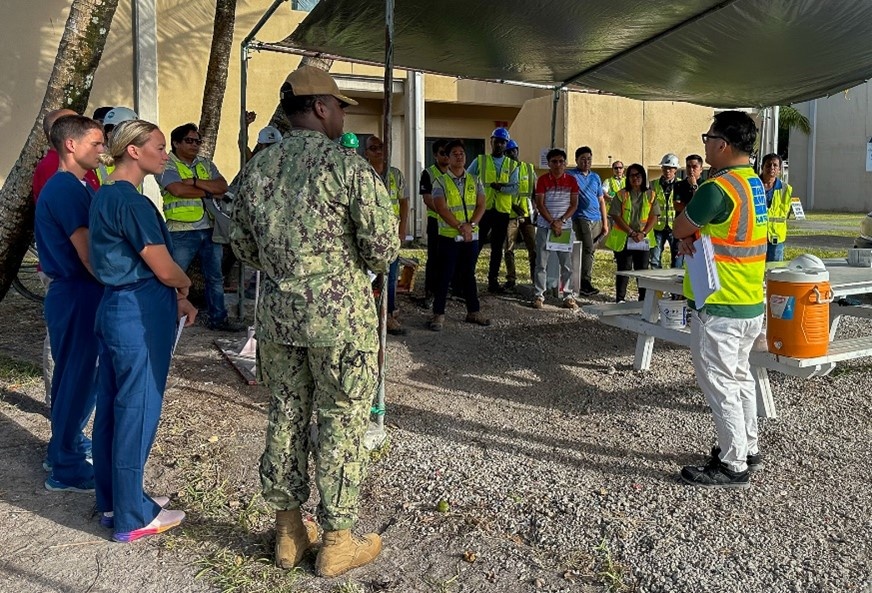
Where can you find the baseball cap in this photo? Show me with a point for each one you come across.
(308, 80)
(100, 113)
(269, 135)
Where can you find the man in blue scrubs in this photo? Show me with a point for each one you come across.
(72, 298)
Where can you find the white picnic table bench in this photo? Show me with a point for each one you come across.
(642, 318)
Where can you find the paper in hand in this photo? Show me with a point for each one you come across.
(182, 322)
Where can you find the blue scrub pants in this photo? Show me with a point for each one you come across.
(136, 327)
(70, 310)
(187, 245)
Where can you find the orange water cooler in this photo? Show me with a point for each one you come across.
(798, 301)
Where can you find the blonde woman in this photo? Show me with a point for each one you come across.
(145, 295)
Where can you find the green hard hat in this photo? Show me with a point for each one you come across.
(349, 140)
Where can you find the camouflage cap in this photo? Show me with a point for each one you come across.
(308, 80)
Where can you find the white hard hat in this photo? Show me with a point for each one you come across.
(669, 160)
(119, 115)
(269, 135)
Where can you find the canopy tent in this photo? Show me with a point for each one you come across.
(720, 54)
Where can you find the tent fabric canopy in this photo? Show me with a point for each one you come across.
(720, 54)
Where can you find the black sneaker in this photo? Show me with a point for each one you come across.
(587, 289)
(226, 326)
(714, 475)
(509, 286)
(495, 289)
(754, 462)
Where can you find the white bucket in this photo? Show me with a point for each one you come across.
(673, 314)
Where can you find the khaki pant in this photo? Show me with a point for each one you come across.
(520, 229)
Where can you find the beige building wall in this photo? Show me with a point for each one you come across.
(842, 127)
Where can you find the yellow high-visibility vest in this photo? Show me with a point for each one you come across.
(435, 174)
(526, 180)
(739, 242)
(614, 185)
(186, 209)
(487, 173)
(617, 239)
(778, 213)
(462, 207)
(667, 208)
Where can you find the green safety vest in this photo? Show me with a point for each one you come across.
(526, 181)
(394, 191)
(462, 207)
(617, 239)
(778, 213)
(487, 173)
(739, 244)
(435, 174)
(103, 172)
(614, 185)
(667, 207)
(185, 209)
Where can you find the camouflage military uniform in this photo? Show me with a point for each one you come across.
(313, 217)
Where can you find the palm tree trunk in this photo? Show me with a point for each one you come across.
(216, 74)
(69, 86)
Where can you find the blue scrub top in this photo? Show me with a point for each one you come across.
(590, 188)
(123, 222)
(61, 209)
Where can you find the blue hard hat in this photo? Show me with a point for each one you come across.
(501, 133)
(511, 145)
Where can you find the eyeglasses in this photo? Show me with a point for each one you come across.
(618, 168)
(376, 147)
(707, 137)
(442, 153)
(196, 141)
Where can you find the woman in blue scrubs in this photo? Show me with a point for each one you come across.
(145, 296)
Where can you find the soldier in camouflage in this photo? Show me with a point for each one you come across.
(314, 217)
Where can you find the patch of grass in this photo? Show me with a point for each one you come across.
(229, 532)
(818, 215)
(18, 372)
(234, 573)
(381, 452)
(610, 572)
(348, 586)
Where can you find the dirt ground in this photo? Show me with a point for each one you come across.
(526, 428)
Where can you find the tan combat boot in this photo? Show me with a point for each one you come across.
(341, 551)
(293, 537)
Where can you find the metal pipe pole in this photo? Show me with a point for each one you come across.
(554, 117)
(386, 140)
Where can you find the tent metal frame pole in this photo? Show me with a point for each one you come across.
(554, 104)
(244, 56)
(387, 131)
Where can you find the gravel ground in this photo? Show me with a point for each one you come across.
(558, 463)
(539, 430)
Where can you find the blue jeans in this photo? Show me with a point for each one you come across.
(393, 273)
(663, 238)
(187, 245)
(775, 252)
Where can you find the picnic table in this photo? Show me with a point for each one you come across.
(642, 318)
